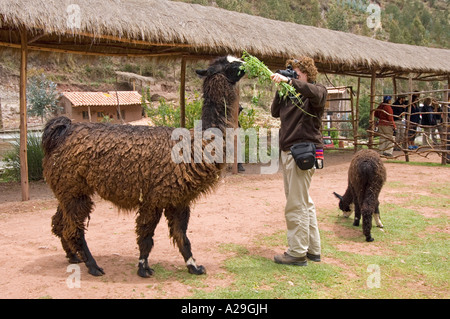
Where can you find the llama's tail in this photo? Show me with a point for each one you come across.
(366, 170)
(55, 132)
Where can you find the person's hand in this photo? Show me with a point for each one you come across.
(278, 78)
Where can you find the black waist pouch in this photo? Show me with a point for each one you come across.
(304, 155)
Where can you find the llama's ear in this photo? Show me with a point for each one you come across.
(337, 195)
(201, 73)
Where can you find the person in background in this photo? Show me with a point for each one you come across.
(398, 108)
(439, 120)
(429, 123)
(414, 122)
(386, 126)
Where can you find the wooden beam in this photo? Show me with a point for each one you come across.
(183, 93)
(126, 40)
(23, 116)
(51, 49)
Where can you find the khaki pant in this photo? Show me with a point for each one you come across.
(386, 144)
(300, 212)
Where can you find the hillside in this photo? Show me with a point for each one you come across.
(413, 22)
(417, 22)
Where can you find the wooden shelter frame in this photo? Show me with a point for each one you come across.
(19, 35)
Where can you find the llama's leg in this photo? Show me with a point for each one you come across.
(367, 225)
(367, 212)
(75, 212)
(357, 213)
(57, 229)
(178, 219)
(87, 257)
(376, 216)
(146, 223)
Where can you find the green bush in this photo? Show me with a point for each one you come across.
(35, 155)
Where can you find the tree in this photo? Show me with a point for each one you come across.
(418, 32)
(42, 96)
(337, 19)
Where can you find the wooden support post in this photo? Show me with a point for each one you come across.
(183, 93)
(358, 88)
(236, 126)
(89, 114)
(372, 107)
(408, 115)
(1, 115)
(399, 128)
(23, 116)
(119, 112)
(445, 127)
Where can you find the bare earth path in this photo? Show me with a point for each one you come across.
(243, 208)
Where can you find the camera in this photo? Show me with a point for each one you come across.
(289, 72)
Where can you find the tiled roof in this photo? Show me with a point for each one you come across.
(103, 98)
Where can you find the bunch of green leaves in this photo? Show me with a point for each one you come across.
(254, 68)
(35, 155)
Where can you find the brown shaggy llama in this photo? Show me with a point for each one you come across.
(131, 166)
(366, 177)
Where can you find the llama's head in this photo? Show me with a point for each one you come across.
(345, 207)
(228, 66)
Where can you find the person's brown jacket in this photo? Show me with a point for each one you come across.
(297, 126)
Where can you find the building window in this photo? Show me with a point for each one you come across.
(85, 115)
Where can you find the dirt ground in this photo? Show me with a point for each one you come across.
(243, 208)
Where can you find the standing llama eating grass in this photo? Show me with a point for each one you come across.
(366, 177)
(132, 167)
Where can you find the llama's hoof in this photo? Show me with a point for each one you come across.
(146, 272)
(144, 269)
(73, 259)
(196, 270)
(369, 239)
(96, 271)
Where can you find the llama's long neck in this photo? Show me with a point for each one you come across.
(219, 97)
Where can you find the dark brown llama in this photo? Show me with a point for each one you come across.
(132, 167)
(366, 177)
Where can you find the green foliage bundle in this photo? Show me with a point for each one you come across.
(254, 68)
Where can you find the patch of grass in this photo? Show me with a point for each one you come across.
(440, 189)
(418, 163)
(259, 277)
(409, 259)
(432, 202)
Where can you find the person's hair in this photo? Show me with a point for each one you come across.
(387, 98)
(306, 65)
(427, 101)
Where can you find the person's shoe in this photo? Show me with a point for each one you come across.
(287, 259)
(312, 257)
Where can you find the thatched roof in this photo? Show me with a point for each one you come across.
(168, 28)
